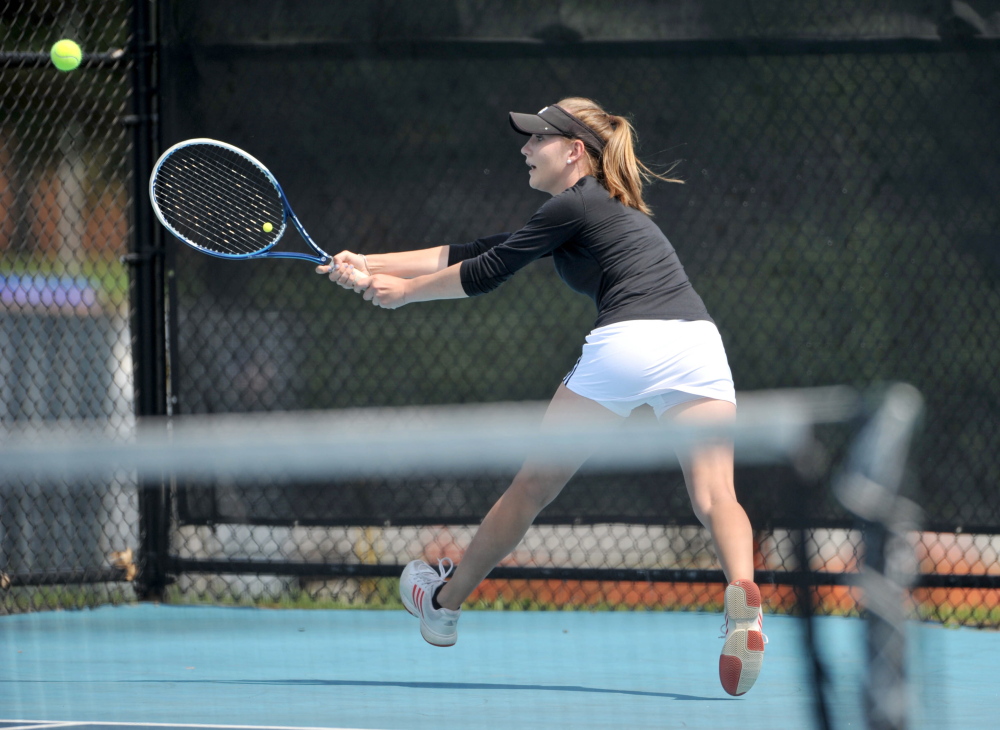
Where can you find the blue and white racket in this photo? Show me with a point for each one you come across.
(223, 202)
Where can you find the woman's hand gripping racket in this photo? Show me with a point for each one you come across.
(223, 202)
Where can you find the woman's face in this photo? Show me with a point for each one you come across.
(546, 156)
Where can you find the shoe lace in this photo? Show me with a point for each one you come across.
(445, 567)
(427, 573)
(724, 629)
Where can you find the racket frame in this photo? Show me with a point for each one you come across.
(287, 212)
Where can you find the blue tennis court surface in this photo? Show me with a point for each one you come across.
(167, 666)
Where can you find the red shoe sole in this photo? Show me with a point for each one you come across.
(743, 652)
(741, 660)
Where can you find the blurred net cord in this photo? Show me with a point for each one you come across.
(341, 444)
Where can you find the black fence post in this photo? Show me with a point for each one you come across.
(147, 318)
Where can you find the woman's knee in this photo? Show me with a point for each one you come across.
(709, 475)
(707, 505)
(538, 487)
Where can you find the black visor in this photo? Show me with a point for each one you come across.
(556, 120)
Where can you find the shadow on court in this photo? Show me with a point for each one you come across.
(475, 686)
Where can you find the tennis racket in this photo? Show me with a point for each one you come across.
(223, 202)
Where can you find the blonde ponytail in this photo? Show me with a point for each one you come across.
(616, 168)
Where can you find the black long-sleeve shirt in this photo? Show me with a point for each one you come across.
(612, 253)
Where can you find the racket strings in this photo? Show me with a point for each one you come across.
(218, 200)
(210, 218)
(221, 200)
(226, 186)
(213, 226)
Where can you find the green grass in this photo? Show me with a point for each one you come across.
(372, 594)
(26, 599)
(962, 615)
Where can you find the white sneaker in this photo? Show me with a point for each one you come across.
(438, 626)
(743, 652)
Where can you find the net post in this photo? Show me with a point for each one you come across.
(811, 465)
(870, 489)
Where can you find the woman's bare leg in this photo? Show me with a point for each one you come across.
(708, 472)
(534, 486)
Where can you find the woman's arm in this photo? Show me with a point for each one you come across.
(391, 292)
(404, 264)
(407, 264)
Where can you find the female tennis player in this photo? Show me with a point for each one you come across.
(653, 343)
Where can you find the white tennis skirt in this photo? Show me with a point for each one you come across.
(660, 362)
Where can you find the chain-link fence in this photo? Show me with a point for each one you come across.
(839, 218)
(64, 336)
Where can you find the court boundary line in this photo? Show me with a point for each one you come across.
(36, 724)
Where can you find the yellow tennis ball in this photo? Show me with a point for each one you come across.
(267, 227)
(66, 55)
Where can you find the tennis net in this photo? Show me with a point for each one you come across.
(324, 509)
(260, 506)
(270, 507)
